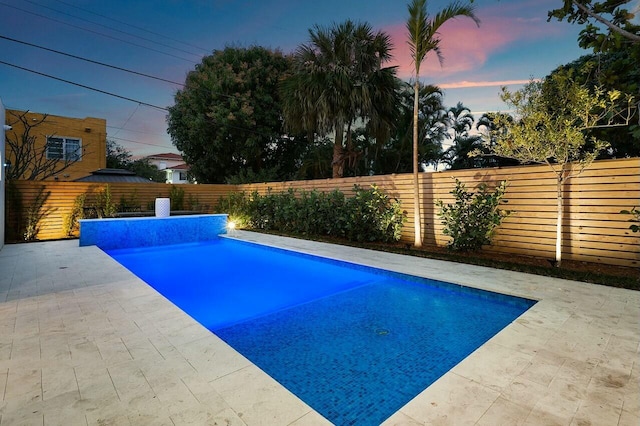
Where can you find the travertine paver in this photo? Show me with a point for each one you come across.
(84, 342)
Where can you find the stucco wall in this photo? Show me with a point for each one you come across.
(91, 131)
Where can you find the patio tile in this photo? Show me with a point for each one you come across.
(452, 400)
(258, 399)
(504, 413)
(494, 371)
(83, 341)
(24, 385)
(95, 383)
(57, 381)
(553, 410)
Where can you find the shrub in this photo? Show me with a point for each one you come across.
(373, 216)
(71, 224)
(34, 214)
(636, 218)
(368, 216)
(176, 195)
(473, 218)
(236, 205)
(104, 205)
(130, 203)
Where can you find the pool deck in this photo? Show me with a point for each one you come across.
(85, 342)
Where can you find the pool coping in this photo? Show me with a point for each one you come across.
(572, 357)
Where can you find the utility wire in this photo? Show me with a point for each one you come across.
(127, 120)
(137, 131)
(89, 60)
(134, 26)
(111, 28)
(85, 87)
(138, 142)
(98, 33)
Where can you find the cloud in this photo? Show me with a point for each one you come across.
(468, 84)
(465, 47)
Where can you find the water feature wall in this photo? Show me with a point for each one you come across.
(150, 231)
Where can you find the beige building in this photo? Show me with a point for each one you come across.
(54, 147)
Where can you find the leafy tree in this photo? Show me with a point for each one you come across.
(611, 14)
(554, 134)
(118, 157)
(315, 161)
(142, 167)
(27, 155)
(609, 71)
(228, 117)
(339, 80)
(424, 38)
(488, 126)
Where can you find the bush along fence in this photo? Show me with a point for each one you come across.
(369, 215)
(594, 229)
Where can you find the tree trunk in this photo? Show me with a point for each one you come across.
(337, 164)
(416, 188)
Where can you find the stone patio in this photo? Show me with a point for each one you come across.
(85, 342)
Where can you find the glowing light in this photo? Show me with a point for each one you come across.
(231, 225)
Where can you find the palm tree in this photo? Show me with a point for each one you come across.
(339, 79)
(458, 154)
(394, 154)
(424, 38)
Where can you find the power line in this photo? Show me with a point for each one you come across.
(90, 60)
(85, 87)
(138, 142)
(111, 28)
(127, 120)
(98, 33)
(137, 131)
(134, 26)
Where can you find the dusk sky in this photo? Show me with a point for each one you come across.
(166, 38)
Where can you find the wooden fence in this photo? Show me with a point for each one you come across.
(138, 196)
(593, 228)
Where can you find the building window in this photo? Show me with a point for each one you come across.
(183, 176)
(59, 148)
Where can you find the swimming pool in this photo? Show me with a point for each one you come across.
(354, 343)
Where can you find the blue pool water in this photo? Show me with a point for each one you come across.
(354, 343)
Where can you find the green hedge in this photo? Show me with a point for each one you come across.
(370, 215)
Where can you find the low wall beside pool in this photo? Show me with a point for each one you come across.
(150, 231)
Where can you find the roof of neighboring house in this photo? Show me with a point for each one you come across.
(165, 156)
(113, 176)
(182, 166)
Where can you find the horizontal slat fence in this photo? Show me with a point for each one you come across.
(593, 228)
(60, 201)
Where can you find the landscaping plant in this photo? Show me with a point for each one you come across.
(34, 214)
(473, 218)
(370, 215)
(636, 218)
(70, 223)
